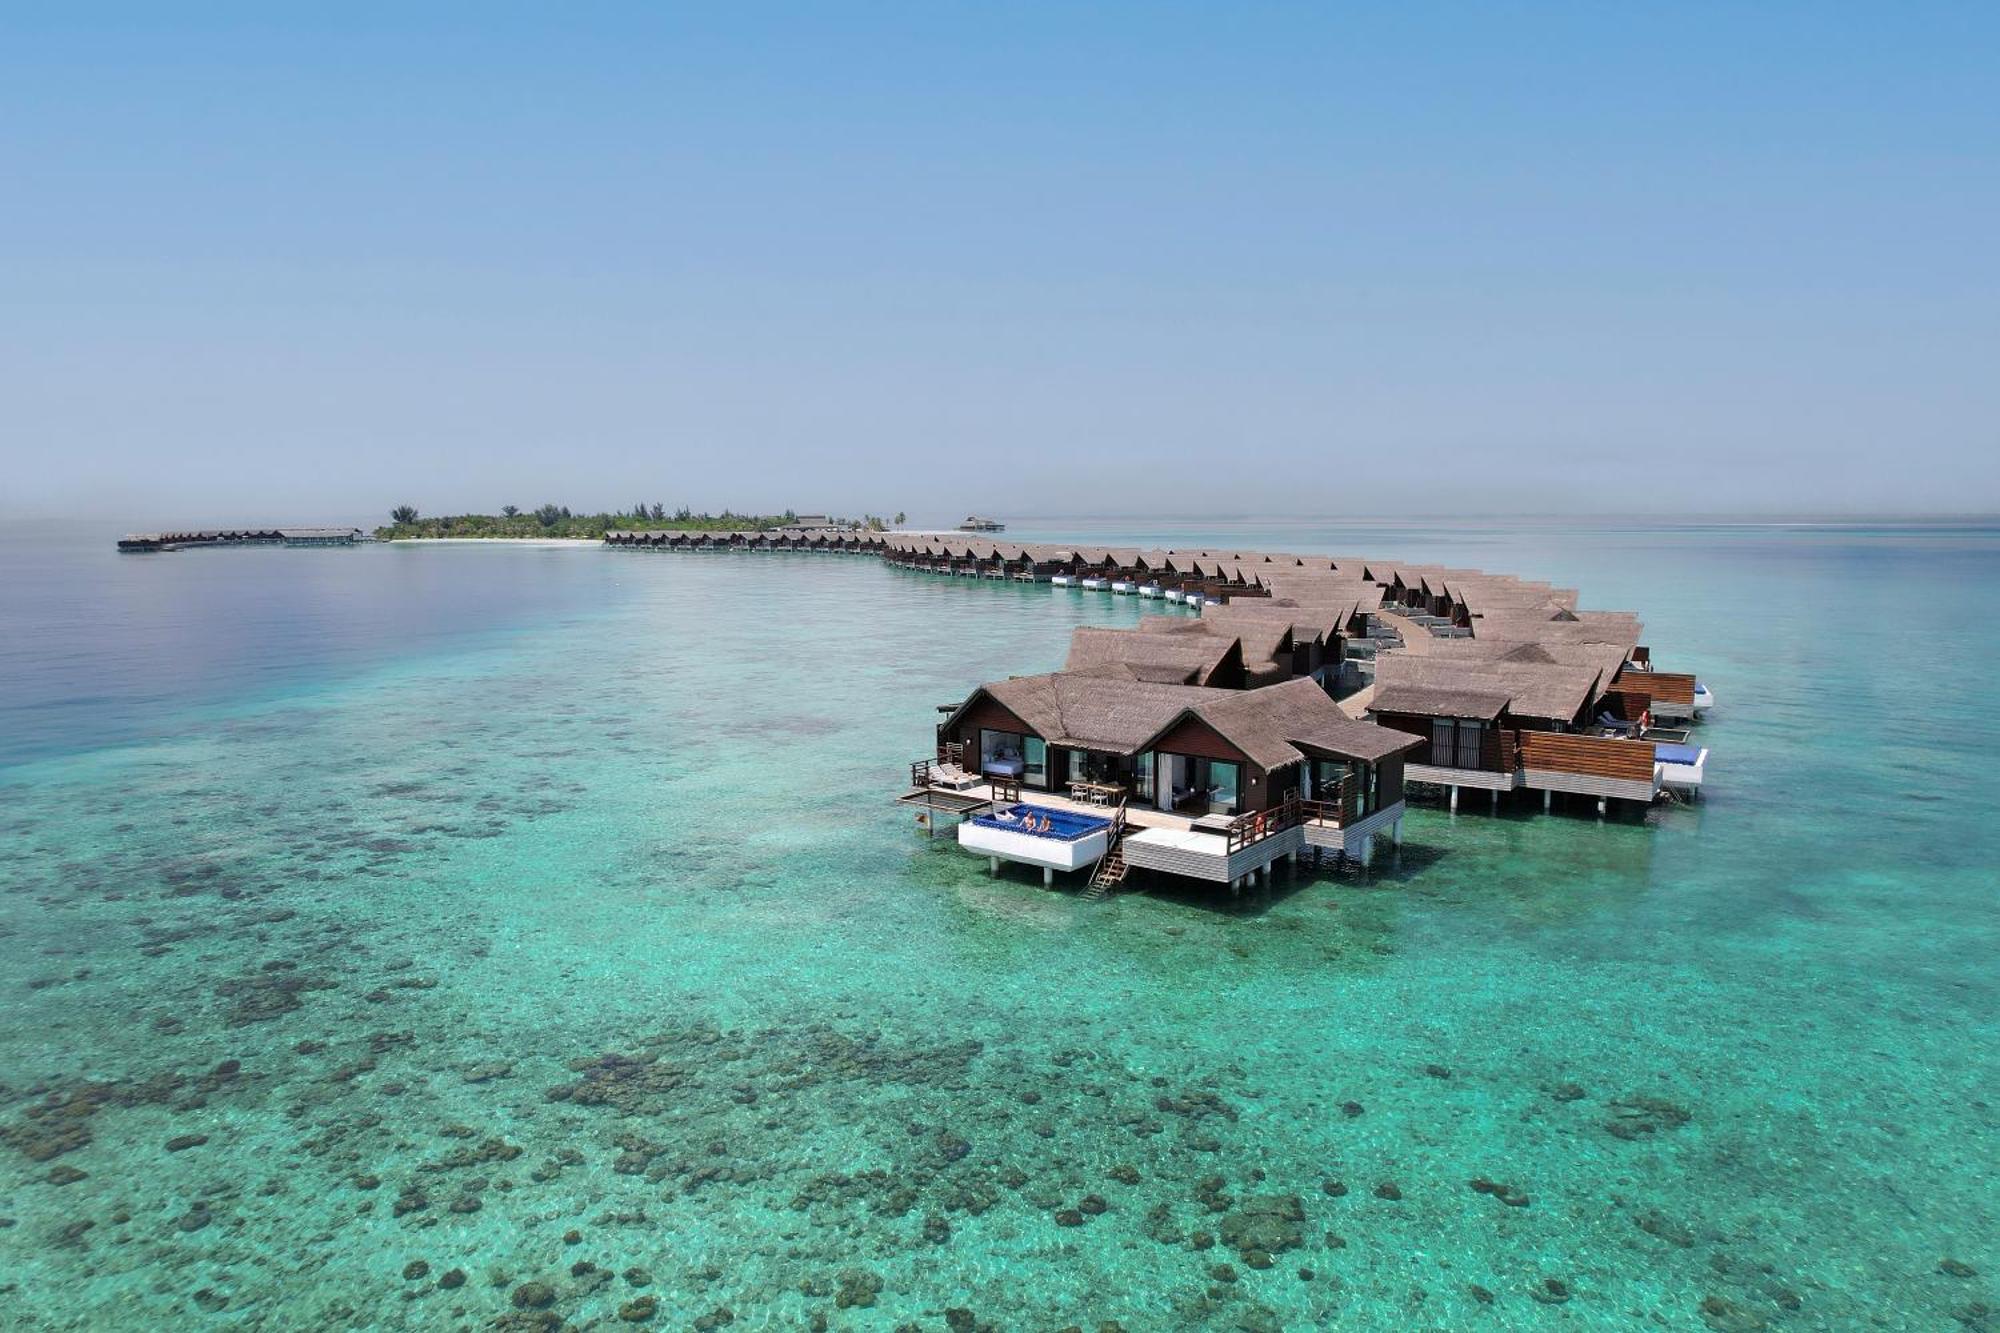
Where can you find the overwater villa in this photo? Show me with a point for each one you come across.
(1282, 705)
(197, 538)
(1192, 780)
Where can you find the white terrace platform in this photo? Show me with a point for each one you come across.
(1168, 843)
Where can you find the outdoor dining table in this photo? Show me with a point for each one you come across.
(1097, 793)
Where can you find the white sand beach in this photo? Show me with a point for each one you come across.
(493, 541)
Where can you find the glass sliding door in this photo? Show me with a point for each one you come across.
(1035, 762)
(1143, 773)
(1174, 777)
(1224, 782)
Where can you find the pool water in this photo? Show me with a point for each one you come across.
(1063, 825)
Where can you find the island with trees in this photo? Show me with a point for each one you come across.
(553, 520)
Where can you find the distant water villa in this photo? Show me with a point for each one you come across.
(185, 540)
(1280, 705)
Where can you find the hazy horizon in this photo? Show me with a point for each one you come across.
(1041, 261)
(1165, 520)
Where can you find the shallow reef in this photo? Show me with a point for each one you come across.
(523, 988)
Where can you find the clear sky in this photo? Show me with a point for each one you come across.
(286, 262)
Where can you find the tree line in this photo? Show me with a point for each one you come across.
(554, 520)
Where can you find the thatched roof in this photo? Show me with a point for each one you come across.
(1420, 699)
(1187, 659)
(1091, 711)
(1604, 658)
(1469, 687)
(1109, 711)
(1281, 724)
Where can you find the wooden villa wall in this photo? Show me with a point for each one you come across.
(1195, 737)
(1496, 743)
(1598, 766)
(1408, 724)
(987, 713)
(1667, 686)
(1636, 692)
(1388, 781)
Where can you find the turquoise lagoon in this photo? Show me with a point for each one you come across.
(504, 936)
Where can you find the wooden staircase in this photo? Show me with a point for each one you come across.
(1110, 871)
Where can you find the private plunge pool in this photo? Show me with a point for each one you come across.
(1037, 835)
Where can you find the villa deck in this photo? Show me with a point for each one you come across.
(1220, 849)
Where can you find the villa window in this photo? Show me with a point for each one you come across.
(1002, 753)
(1468, 744)
(1444, 740)
(1362, 777)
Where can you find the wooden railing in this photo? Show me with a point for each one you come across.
(1004, 788)
(1248, 830)
(923, 772)
(1336, 812)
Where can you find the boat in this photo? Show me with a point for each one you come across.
(974, 523)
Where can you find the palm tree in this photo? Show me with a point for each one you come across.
(403, 514)
(510, 510)
(899, 518)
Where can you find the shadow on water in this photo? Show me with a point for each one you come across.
(1392, 867)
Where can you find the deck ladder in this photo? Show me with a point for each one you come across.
(1110, 870)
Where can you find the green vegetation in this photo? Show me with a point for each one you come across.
(551, 520)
